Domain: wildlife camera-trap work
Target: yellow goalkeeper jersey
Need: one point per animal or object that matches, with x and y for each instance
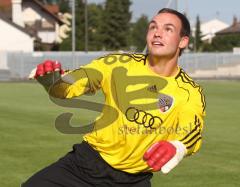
(140, 108)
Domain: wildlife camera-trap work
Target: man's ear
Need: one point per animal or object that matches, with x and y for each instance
(184, 42)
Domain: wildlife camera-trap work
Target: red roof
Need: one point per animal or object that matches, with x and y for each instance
(45, 10)
(5, 3)
(54, 9)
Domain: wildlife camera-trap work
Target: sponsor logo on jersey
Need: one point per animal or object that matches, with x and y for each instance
(142, 117)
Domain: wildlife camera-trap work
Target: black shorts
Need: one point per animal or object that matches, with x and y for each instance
(84, 167)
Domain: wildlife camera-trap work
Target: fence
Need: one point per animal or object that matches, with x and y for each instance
(208, 61)
(17, 65)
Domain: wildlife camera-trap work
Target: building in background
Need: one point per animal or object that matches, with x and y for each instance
(14, 37)
(36, 19)
(232, 29)
(210, 28)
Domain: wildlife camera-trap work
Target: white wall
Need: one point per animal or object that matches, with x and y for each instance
(47, 36)
(3, 60)
(208, 29)
(17, 12)
(32, 13)
(12, 39)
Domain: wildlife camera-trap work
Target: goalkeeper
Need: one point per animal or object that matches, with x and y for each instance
(152, 117)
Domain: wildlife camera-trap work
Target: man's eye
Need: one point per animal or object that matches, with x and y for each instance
(168, 29)
(152, 27)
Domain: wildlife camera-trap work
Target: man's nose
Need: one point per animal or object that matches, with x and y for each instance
(158, 33)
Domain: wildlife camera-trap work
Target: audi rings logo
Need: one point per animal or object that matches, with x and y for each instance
(142, 118)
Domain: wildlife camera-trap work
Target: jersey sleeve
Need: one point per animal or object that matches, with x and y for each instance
(191, 122)
(86, 79)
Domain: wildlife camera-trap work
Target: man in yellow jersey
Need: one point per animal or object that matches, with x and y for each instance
(152, 117)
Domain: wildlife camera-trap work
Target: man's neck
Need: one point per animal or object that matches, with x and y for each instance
(166, 67)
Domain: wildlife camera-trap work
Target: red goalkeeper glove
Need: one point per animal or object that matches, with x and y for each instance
(165, 155)
(47, 73)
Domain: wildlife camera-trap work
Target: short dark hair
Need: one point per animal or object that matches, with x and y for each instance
(186, 29)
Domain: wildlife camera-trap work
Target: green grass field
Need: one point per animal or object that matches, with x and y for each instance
(29, 141)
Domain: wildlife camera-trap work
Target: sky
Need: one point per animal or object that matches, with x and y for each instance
(206, 9)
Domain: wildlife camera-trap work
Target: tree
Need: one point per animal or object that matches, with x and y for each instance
(138, 33)
(108, 26)
(94, 28)
(197, 37)
(80, 25)
(64, 6)
(115, 25)
(222, 43)
(66, 45)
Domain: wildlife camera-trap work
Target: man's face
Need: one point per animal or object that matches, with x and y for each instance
(163, 36)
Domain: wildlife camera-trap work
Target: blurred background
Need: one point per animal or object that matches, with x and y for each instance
(75, 32)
